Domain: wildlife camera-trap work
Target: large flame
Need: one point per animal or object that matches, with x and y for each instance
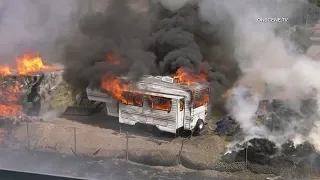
(184, 77)
(31, 63)
(116, 87)
(119, 89)
(26, 64)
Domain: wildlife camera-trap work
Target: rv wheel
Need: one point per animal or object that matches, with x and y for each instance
(199, 127)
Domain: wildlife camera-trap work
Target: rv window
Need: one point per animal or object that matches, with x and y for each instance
(201, 99)
(160, 103)
(181, 104)
(132, 99)
(138, 100)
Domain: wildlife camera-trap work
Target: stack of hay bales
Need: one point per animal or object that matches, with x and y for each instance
(55, 93)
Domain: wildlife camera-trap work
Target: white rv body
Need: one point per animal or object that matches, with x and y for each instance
(177, 117)
(112, 105)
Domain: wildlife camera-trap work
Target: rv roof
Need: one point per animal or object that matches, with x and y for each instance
(161, 85)
(169, 82)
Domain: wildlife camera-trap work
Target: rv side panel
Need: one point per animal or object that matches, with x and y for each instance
(165, 121)
(199, 113)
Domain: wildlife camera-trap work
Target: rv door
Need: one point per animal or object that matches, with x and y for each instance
(181, 112)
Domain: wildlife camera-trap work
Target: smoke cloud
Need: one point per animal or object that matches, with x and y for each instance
(121, 32)
(222, 38)
(32, 25)
(265, 56)
(166, 36)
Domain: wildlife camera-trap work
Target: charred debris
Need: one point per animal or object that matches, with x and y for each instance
(275, 115)
(302, 159)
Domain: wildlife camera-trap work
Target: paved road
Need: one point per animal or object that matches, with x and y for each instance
(85, 167)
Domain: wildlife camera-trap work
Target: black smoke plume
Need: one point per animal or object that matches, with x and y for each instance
(158, 41)
(120, 31)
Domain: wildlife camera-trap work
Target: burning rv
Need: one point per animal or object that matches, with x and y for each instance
(155, 100)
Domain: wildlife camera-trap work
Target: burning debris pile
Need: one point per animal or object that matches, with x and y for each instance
(277, 139)
(22, 88)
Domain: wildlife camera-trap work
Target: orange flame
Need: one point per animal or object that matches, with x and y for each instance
(26, 64)
(5, 70)
(183, 77)
(202, 99)
(116, 87)
(9, 101)
(160, 103)
(111, 57)
(31, 63)
(119, 89)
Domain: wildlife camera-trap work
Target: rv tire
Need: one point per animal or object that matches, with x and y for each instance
(199, 127)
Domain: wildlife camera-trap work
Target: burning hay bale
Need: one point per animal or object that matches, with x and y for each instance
(29, 89)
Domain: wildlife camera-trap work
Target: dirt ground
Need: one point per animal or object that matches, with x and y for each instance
(103, 136)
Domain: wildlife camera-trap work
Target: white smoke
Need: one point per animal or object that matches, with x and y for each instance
(32, 25)
(267, 58)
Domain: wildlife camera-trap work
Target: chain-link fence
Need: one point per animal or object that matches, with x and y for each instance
(80, 140)
(46, 137)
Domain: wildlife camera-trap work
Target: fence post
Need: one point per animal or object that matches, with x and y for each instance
(180, 152)
(127, 147)
(75, 140)
(28, 136)
(246, 155)
(311, 168)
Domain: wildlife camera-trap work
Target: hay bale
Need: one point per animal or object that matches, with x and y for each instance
(55, 93)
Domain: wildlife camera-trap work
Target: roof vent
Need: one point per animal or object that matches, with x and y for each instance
(167, 79)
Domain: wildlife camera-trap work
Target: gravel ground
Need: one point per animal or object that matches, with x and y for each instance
(85, 167)
(102, 139)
